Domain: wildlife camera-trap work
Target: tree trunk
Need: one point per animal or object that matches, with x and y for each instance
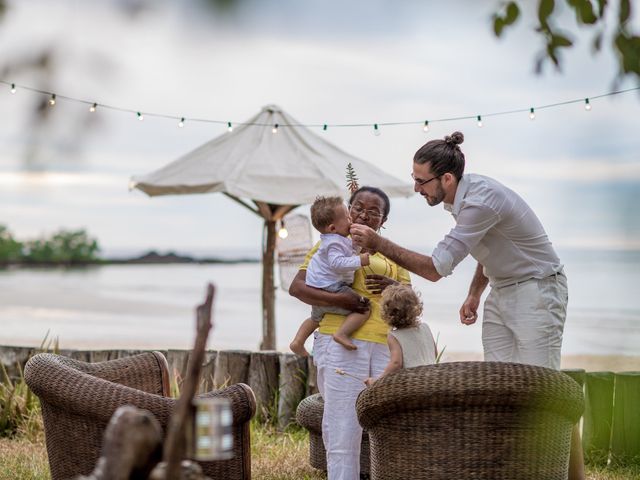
(268, 291)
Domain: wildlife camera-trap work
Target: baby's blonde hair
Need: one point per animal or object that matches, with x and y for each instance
(401, 306)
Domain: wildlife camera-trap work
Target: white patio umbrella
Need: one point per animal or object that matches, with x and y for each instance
(270, 165)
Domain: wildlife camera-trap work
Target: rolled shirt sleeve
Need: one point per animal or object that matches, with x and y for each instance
(341, 258)
(472, 224)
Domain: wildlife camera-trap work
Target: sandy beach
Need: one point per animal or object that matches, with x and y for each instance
(590, 363)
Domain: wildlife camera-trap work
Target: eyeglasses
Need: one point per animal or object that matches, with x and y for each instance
(357, 210)
(419, 181)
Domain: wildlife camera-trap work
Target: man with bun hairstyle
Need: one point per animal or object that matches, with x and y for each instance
(525, 311)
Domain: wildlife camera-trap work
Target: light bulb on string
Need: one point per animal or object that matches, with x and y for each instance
(93, 107)
(376, 130)
(13, 88)
(181, 122)
(140, 116)
(275, 128)
(229, 127)
(479, 118)
(532, 114)
(426, 126)
(324, 127)
(587, 105)
(283, 232)
(52, 100)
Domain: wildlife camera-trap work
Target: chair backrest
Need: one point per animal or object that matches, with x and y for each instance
(471, 420)
(78, 400)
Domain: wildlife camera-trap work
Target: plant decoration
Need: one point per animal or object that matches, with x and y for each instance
(352, 179)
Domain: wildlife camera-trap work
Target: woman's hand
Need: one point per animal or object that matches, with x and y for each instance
(352, 301)
(377, 283)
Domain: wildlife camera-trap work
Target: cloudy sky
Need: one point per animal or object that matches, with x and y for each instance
(330, 62)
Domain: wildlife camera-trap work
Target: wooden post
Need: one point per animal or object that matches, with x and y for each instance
(179, 441)
(268, 290)
(232, 366)
(293, 373)
(598, 413)
(264, 372)
(625, 431)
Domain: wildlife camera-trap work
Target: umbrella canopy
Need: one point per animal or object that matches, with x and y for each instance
(274, 162)
(290, 167)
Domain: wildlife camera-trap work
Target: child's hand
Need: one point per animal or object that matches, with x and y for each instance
(369, 381)
(364, 259)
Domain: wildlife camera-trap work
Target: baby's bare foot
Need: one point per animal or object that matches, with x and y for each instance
(344, 341)
(298, 349)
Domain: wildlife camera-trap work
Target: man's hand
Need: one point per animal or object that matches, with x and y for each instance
(352, 301)
(469, 310)
(364, 236)
(377, 283)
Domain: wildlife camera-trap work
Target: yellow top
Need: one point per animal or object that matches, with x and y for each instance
(374, 329)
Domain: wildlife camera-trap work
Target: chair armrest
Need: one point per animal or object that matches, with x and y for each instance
(243, 401)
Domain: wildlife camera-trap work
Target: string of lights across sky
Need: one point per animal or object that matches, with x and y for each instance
(425, 124)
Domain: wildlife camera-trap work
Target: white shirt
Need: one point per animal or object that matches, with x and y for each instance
(499, 230)
(335, 261)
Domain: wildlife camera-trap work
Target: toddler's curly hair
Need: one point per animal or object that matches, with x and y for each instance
(401, 306)
(323, 211)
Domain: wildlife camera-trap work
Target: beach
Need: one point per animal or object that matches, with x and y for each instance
(152, 307)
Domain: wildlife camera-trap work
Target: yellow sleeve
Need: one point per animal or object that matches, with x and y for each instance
(404, 276)
(308, 256)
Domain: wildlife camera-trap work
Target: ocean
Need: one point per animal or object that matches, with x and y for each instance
(152, 306)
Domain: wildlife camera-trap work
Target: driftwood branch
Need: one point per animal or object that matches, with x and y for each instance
(179, 441)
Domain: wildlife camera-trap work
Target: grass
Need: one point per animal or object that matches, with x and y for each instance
(274, 456)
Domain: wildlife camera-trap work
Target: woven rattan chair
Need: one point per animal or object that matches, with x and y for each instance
(309, 416)
(482, 420)
(78, 399)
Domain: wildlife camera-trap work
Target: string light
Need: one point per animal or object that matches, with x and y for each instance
(426, 126)
(376, 130)
(324, 126)
(229, 127)
(181, 122)
(532, 114)
(283, 232)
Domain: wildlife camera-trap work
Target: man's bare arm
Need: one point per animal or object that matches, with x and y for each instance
(413, 261)
(469, 309)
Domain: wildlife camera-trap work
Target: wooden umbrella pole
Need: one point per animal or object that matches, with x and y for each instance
(268, 293)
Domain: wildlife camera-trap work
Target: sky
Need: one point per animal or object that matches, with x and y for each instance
(332, 62)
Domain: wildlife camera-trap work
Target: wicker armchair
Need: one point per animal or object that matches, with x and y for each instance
(79, 398)
(483, 420)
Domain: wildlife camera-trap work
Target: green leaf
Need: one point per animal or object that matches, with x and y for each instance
(545, 8)
(586, 13)
(625, 11)
(513, 11)
(560, 41)
(498, 25)
(602, 5)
